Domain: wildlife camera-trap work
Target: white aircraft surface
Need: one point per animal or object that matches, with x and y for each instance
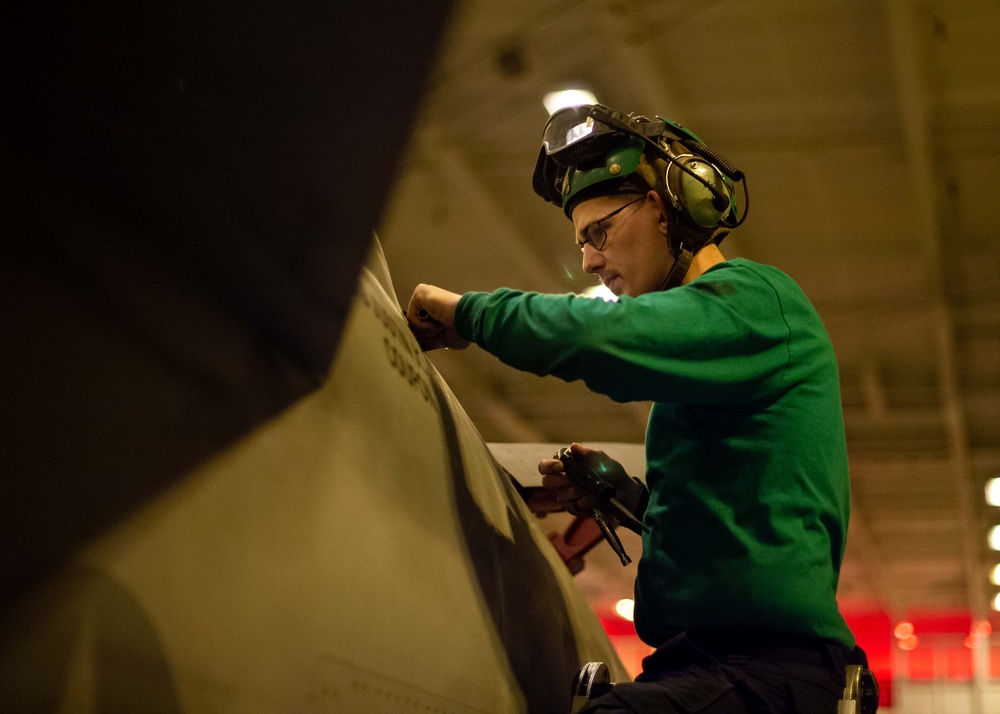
(361, 552)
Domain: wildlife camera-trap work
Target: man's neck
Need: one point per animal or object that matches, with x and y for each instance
(703, 260)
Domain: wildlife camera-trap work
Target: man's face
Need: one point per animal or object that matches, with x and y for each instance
(635, 258)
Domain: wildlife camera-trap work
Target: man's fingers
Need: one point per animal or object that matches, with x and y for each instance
(421, 328)
(550, 466)
(582, 506)
(576, 500)
(586, 452)
(429, 338)
(556, 481)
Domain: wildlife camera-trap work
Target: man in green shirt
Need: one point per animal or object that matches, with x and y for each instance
(748, 496)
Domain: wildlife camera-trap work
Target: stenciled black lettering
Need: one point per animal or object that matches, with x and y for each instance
(408, 371)
(391, 352)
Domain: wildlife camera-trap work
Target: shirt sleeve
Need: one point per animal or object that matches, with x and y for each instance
(721, 339)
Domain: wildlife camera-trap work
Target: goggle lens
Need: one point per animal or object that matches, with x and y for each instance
(566, 129)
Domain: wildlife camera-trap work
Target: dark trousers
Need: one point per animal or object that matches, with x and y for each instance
(735, 672)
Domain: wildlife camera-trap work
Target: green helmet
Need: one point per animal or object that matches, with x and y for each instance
(621, 161)
(592, 150)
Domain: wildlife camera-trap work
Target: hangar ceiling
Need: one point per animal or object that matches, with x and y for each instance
(869, 132)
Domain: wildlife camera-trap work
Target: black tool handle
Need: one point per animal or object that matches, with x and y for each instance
(582, 475)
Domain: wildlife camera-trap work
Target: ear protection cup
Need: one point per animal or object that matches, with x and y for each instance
(693, 199)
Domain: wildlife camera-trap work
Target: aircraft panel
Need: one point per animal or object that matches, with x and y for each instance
(362, 551)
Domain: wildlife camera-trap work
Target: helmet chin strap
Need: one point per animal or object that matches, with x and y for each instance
(675, 276)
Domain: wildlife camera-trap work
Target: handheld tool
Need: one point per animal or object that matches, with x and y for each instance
(587, 478)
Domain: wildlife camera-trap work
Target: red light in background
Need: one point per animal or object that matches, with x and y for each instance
(947, 642)
(943, 650)
(903, 630)
(631, 650)
(614, 626)
(873, 630)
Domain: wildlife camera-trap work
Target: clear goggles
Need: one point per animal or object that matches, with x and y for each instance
(572, 135)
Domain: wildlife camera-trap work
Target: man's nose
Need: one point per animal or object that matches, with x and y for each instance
(592, 259)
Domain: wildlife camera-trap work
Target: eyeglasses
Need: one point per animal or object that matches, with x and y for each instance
(595, 233)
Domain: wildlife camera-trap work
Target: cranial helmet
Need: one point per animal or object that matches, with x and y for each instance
(592, 150)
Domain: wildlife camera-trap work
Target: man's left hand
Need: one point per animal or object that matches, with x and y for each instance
(431, 316)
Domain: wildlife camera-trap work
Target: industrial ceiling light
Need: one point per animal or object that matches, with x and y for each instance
(554, 101)
(994, 537)
(993, 492)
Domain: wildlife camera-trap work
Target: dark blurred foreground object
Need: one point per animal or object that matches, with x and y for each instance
(188, 192)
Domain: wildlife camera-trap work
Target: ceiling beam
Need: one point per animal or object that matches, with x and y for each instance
(914, 117)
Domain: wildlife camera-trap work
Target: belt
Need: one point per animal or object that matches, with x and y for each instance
(736, 646)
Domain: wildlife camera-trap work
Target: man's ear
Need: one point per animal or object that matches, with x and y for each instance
(664, 222)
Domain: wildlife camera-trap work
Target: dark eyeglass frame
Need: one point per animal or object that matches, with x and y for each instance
(596, 234)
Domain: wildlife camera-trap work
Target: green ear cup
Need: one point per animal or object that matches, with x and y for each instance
(698, 201)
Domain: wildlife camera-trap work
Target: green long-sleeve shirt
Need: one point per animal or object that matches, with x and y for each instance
(745, 449)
